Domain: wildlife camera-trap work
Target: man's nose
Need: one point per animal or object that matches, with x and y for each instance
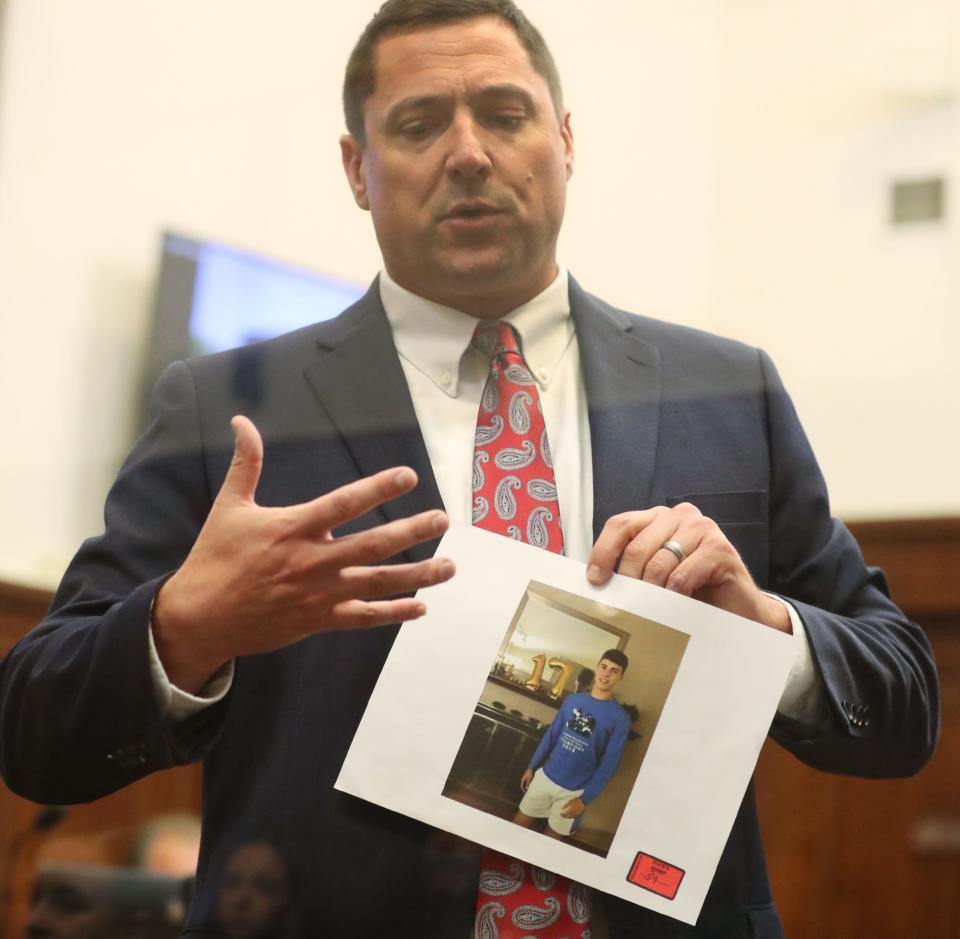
(468, 158)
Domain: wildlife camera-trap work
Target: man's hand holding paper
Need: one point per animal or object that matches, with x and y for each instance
(701, 564)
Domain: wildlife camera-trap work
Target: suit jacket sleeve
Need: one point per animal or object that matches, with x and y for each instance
(877, 667)
(78, 713)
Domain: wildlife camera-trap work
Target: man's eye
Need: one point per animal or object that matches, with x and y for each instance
(509, 120)
(415, 130)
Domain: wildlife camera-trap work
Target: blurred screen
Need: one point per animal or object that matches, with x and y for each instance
(211, 297)
(241, 298)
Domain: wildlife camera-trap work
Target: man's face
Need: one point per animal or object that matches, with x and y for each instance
(465, 166)
(609, 674)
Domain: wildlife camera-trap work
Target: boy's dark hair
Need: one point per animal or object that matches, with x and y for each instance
(404, 15)
(617, 657)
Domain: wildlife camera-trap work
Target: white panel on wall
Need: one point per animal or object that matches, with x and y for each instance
(859, 315)
(733, 166)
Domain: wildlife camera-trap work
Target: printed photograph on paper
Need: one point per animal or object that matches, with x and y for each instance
(571, 703)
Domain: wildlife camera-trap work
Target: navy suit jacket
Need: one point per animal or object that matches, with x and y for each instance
(675, 415)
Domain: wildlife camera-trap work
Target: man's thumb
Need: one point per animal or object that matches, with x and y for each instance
(244, 473)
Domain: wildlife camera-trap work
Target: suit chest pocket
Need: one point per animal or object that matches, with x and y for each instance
(742, 517)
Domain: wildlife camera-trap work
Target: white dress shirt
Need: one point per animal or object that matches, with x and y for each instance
(446, 376)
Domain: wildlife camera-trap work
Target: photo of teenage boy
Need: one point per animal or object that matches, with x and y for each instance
(578, 754)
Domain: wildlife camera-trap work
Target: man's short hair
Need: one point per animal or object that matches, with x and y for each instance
(407, 15)
(617, 657)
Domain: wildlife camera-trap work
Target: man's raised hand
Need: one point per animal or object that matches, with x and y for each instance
(260, 578)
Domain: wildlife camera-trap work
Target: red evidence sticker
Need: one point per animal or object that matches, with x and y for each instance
(655, 875)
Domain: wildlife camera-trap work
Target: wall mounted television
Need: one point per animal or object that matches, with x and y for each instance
(213, 296)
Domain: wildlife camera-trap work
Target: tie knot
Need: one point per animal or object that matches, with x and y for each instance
(493, 339)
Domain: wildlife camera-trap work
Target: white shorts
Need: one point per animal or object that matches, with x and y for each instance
(545, 799)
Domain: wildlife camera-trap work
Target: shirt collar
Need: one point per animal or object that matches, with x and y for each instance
(433, 338)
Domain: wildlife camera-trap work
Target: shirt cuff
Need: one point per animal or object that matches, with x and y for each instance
(803, 699)
(177, 705)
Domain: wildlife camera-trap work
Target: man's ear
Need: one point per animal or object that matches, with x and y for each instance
(566, 132)
(351, 152)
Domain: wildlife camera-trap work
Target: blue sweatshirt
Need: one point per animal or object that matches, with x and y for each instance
(583, 746)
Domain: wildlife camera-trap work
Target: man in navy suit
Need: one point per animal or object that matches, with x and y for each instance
(236, 608)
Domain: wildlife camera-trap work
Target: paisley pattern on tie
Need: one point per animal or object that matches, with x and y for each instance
(545, 449)
(504, 501)
(538, 533)
(489, 433)
(491, 397)
(578, 903)
(543, 490)
(499, 884)
(521, 901)
(519, 415)
(519, 375)
(481, 507)
(515, 494)
(479, 477)
(531, 916)
(485, 926)
(516, 457)
(543, 880)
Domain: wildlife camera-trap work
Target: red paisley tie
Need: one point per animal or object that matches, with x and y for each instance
(514, 490)
(515, 494)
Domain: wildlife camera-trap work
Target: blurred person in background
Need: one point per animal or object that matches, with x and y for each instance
(74, 902)
(255, 897)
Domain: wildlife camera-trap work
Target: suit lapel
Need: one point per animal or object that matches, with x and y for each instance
(359, 382)
(621, 374)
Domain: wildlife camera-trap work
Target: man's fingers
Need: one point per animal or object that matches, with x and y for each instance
(637, 540)
(618, 532)
(368, 583)
(666, 552)
(361, 614)
(714, 562)
(352, 599)
(384, 541)
(342, 505)
(242, 477)
(645, 558)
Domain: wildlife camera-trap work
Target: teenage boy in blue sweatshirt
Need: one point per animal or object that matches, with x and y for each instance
(578, 754)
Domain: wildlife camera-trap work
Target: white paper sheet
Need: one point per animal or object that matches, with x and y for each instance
(706, 684)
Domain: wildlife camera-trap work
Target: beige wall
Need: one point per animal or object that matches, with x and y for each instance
(732, 164)
(823, 105)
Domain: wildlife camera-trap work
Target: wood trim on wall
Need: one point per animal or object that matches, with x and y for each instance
(921, 558)
(21, 608)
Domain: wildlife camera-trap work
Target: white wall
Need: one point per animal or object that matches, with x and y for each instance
(821, 106)
(731, 164)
